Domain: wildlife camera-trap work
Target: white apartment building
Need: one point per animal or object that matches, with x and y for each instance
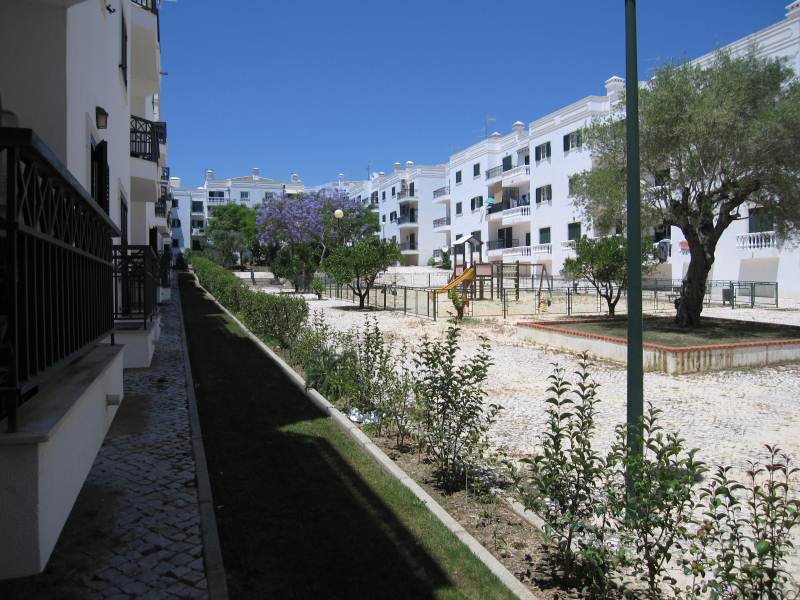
(513, 192)
(191, 208)
(83, 204)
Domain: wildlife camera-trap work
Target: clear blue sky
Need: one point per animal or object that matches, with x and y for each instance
(322, 87)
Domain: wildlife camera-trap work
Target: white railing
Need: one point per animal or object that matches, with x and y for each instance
(517, 250)
(542, 249)
(568, 245)
(520, 170)
(517, 211)
(197, 231)
(753, 241)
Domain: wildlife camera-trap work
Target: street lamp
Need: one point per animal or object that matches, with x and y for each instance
(338, 214)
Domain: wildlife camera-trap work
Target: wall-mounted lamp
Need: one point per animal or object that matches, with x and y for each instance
(101, 117)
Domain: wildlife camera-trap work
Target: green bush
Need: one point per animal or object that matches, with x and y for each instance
(270, 316)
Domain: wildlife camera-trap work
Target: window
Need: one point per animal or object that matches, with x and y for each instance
(383, 218)
(527, 159)
(574, 231)
(542, 152)
(123, 59)
(219, 194)
(476, 235)
(476, 202)
(476, 170)
(383, 196)
(544, 235)
(528, 238)
(458, 177)
(458, 208)
(504, 237)
(757, 221)
(393, 216)
(411, 189)
(244, 195)
(544, 194)
(100, 179)
(506, 163)
(662, 177)
(573, 141)
(197, 206)
(393, 194)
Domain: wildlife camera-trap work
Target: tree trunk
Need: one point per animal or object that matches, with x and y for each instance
(693, 289)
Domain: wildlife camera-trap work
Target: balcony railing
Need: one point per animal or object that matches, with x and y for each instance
(151, 5)
(136, 277)
(501, 244)
(756, 241)
(55, 269)
(542, 248)
(499, 207)
(406, 194)
(517, 251)
(568, 245)
(144, 139)
(442, 191)
(405, 219)
(408, 246)
(523, 210)
(443, 222)
(519, 170)
(161, 207)
(494, 172)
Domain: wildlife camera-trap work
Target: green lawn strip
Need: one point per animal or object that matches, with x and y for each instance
(302, 509)
(710, 331)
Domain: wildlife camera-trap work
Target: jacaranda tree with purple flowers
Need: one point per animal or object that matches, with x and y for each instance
(302, 230)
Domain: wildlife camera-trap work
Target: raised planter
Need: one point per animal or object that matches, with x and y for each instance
(658, 357)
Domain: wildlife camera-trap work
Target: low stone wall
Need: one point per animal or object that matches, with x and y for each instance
(657, 357)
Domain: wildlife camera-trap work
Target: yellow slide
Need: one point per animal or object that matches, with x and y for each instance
(467, 275)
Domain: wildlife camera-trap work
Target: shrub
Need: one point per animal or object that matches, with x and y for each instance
(317, 287)
(451, 396)
(180, 262)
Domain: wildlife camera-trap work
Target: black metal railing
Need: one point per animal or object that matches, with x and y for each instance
(494, 172)
(408, 246)
(406, 193)
(161, 207)
(160, 130)
(499, 207)
(500, 244)
(135, 285)
(442, 191)
(151, 5)
(144, 139)
(441, 222)
(407, 219)
(55, 269)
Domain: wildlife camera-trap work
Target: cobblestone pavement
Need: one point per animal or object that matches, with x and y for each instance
(135, 529)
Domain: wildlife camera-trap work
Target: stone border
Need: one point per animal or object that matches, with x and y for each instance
(495, 566)
(212, 551)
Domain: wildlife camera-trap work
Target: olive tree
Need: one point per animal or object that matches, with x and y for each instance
(714, 139)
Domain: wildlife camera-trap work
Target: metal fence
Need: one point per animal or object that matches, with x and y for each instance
(136, 279)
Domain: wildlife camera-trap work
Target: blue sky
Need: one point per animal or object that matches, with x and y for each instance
(326, 87)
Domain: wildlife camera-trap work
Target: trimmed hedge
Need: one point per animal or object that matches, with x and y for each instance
(270, 316)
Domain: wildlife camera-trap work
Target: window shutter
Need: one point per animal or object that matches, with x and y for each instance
(547, 150)
(538, 195)
(103, 183)
(566, 143)
(538, 153)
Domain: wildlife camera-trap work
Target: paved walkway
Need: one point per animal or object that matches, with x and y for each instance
(135, 529)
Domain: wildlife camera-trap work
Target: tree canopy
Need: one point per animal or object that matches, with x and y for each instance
(358, 264)
(232, 229)
(715, 141)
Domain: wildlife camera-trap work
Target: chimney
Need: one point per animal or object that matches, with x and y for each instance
(793, 10)
(175, 182)
(209, 174)
(397, 167)
(614, 87)
(256, 172)
(409, 165)
(295, 177)
(381, 173)
(518, 126)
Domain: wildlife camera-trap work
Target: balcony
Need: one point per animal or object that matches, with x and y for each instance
(161, 207)
(443, 222)
(145, 153)
(56, 249)
(494, 172)
(145, 139)
(408, 247)
(407, 196)
(517, 176)
(442, 194)
(198, 231)
(542, 248)
(145, 59)
(757, 241)
(407, 221)
(519, 213)
(497, 247)
(517, 251)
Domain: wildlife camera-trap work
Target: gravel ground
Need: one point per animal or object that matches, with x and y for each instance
(728, 415)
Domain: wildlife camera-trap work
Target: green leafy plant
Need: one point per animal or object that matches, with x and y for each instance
(317, 287)
(451, 394)
(399, 408)
(359, 264)
(459, 301)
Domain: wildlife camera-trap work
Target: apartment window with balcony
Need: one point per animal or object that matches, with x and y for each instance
(123, 59)
(476, 170)
(757, 221)
(574, 231)
(476, 202)
(544, 235)
(244, 195)
(573, 141)
(544, 194)
(393, 193)
(458, 177)
(458, 209)
(506, 163)
(542, 152)
(197, 206)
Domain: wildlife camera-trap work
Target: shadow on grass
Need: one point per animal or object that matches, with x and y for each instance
(295, 517)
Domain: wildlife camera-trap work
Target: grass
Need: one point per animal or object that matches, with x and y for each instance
(711, 331)
(302, 510)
